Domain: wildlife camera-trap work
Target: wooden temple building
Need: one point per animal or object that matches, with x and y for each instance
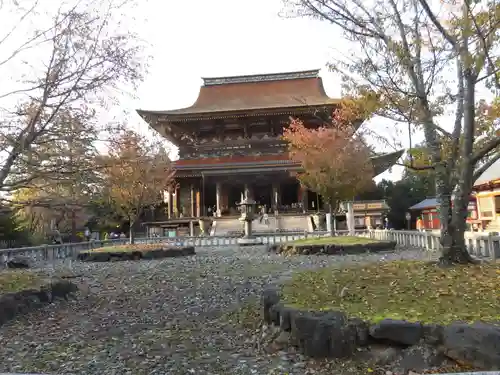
(229, 141)
(487, 194)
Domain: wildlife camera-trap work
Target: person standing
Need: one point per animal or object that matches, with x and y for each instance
(57, 238)
(87, 234)
(420, 224)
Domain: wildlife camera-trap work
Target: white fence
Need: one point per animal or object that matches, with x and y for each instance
(479, 244)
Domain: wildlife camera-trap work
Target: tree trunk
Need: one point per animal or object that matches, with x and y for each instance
(454, 249)
(73, 226)
(131, 233)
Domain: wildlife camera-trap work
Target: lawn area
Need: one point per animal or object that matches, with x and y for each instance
(415, 291)
(340, 240)
(17, 280)
(125, 248)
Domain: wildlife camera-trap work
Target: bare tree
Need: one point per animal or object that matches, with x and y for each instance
(421, 60)
(86, 56)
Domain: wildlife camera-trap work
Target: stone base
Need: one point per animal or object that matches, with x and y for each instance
(110, 256)
(331, 249)
(21, 302)
(249, 242)
(404, 346)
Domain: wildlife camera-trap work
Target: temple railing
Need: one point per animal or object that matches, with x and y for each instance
(480, 244)
(71, 250)
(484, 245)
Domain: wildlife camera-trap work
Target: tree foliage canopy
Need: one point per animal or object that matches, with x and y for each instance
(421, 60)
(335, 161)
(136, 173)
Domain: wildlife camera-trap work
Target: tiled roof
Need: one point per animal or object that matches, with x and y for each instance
(269, 91)
(489, 175)
(426, 203)
(383, 162)
(380, 162)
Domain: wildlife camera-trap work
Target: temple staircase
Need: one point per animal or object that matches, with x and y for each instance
(226, 226)
(230, 226)
(293, 223)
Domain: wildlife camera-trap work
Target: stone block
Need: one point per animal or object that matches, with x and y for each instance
(270, 297)
(321, 334)
(477, 345)
(13, 304)
(20, 262)
(160, 252)
(332, 249)
(397, 331)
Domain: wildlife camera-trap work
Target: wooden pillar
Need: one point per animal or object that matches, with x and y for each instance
(198, 203)
(170, 207)
(275, 196)
(176, 201)
(224, 198)
(192, 200)
(302, 197)
(218, 208)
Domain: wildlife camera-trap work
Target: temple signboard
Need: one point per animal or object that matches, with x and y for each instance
(368, 206)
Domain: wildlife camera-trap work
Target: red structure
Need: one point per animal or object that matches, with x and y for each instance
(428, 211)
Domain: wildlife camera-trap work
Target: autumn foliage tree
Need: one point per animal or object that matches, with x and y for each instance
(335, 162)
(137, 172)
(423, 60)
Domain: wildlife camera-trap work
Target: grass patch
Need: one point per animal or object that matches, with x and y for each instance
(17, 280)
(415, 291)
(125, 248)
(340, 240)
(248, 316)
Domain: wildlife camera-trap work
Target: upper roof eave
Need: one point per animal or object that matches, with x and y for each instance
(224, 80)
(175, 115)
(227, 96)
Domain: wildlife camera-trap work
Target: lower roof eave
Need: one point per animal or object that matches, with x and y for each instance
(241, 171)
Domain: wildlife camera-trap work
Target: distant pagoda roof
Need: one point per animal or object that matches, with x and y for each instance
(221, 95)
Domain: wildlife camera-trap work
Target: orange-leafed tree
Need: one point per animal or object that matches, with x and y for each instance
(137, 173)
(335, 162)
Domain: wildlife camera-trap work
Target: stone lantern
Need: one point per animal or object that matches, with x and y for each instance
(247, 209)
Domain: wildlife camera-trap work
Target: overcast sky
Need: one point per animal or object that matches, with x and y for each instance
(199, 38)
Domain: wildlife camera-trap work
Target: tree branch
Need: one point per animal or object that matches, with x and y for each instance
(485, 150)
(438, 24)
(479, 171)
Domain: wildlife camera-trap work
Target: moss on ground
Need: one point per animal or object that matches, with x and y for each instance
(248, 315)
(339, 240)
(128, 248)
(16, 280)
(415, 291)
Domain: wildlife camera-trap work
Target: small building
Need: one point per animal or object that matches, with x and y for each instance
(487, 192)
(428, 210)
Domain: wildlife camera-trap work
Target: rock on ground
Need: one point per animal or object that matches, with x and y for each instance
(166, 316)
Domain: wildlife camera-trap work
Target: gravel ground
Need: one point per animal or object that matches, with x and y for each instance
(172, 316)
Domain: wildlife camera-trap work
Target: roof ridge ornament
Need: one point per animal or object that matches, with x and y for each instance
(305, 74)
